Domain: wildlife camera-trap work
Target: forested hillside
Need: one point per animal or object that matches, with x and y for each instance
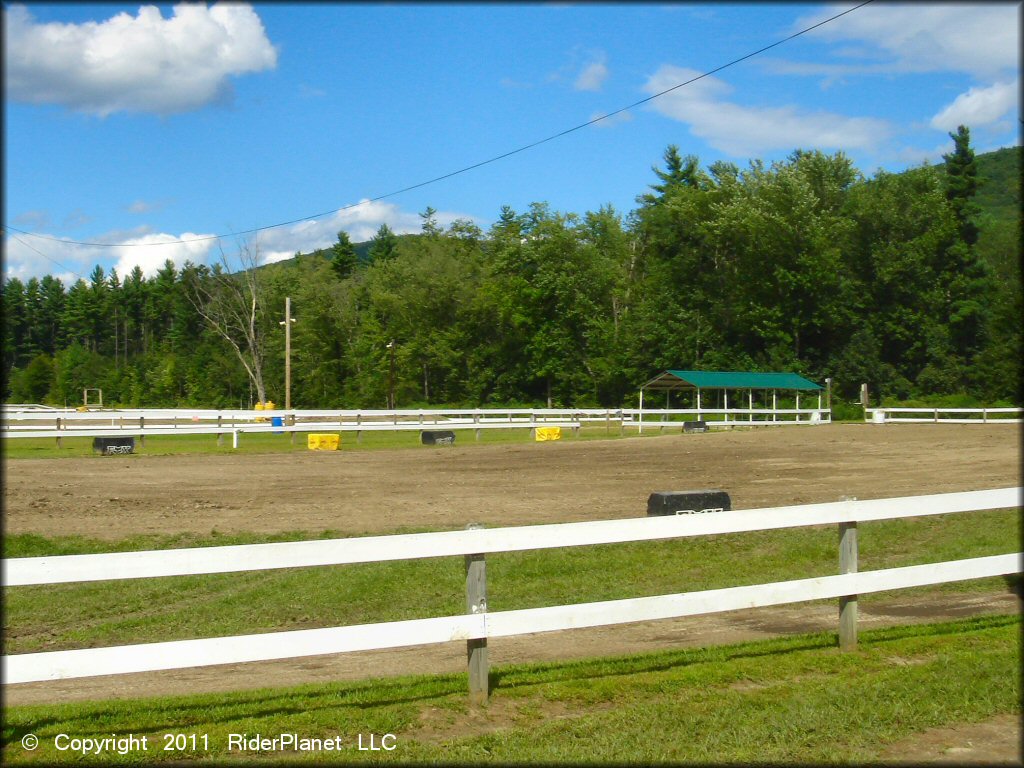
(908, 281)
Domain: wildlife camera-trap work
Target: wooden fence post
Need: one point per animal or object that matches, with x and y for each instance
(142, 435)
(476, 602)
(848, 603)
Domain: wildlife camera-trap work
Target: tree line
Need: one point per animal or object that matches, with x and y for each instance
(802, 265)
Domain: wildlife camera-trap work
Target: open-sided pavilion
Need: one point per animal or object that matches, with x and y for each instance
(715, 386)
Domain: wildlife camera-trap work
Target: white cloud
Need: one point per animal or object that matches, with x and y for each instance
(360, 221)
(744, 131)
(612, 120)
(145, 206)
(27, 256)
(151, 251)
(76, 218)
(979, 106)
(142, 63)
(592, 77)
(978, 38)
(508, 82)
(585, 68)
(33, 219)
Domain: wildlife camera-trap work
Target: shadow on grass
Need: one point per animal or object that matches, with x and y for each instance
(659, 661)
(169, 713)
(97, 719)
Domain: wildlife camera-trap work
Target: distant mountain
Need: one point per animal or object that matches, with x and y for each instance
(999, 182)
(998, 196)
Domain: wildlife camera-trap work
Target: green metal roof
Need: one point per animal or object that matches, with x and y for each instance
(729, 380)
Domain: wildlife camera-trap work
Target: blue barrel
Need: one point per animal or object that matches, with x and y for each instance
(277, 421)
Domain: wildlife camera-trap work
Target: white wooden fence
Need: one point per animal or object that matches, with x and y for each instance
(943, 415)
(32, 422)
(479, 623)
(171, 421)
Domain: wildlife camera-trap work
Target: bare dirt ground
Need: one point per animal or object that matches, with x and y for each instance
(993, 742)
(356, 492)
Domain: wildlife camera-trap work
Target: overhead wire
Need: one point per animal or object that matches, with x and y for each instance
(54, 261)
(467, 168)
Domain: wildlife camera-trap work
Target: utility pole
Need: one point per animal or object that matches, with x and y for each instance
(287, 323)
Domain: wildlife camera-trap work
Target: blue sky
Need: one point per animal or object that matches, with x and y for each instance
(137, 126)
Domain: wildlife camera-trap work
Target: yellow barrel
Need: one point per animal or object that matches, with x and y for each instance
(548, 433)
(322, 442)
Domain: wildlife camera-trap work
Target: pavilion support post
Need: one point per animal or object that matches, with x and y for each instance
(725, 406)
(750, 404)
(798, 406)
(698, 403)
(640, 420)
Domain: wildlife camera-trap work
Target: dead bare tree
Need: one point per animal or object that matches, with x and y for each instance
(232, 303)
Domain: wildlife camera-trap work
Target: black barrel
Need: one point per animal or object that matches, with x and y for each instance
(437, 437)
(113, 446)
(687, 502)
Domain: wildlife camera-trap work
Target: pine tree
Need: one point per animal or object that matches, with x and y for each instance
(679, 172)
(965, 278)
(343, 256)
(384, 245)
(962, 183)
(430, 225)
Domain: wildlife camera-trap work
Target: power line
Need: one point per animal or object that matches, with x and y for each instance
(468, 168)
(31, 248)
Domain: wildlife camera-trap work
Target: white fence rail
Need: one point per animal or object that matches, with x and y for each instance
(479, 623)
(34, 423)
(943, 415)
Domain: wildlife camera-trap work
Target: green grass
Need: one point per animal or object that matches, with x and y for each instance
(54, 617)
(791, 700)
(256, 443)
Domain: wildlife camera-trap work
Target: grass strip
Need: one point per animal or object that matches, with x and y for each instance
(792, 700)
(66, 616)
(263, 443)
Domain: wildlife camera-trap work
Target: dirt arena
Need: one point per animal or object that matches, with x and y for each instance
(354, 492)
(357, 492)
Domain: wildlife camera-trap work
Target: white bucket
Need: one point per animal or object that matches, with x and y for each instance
(878, 417)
